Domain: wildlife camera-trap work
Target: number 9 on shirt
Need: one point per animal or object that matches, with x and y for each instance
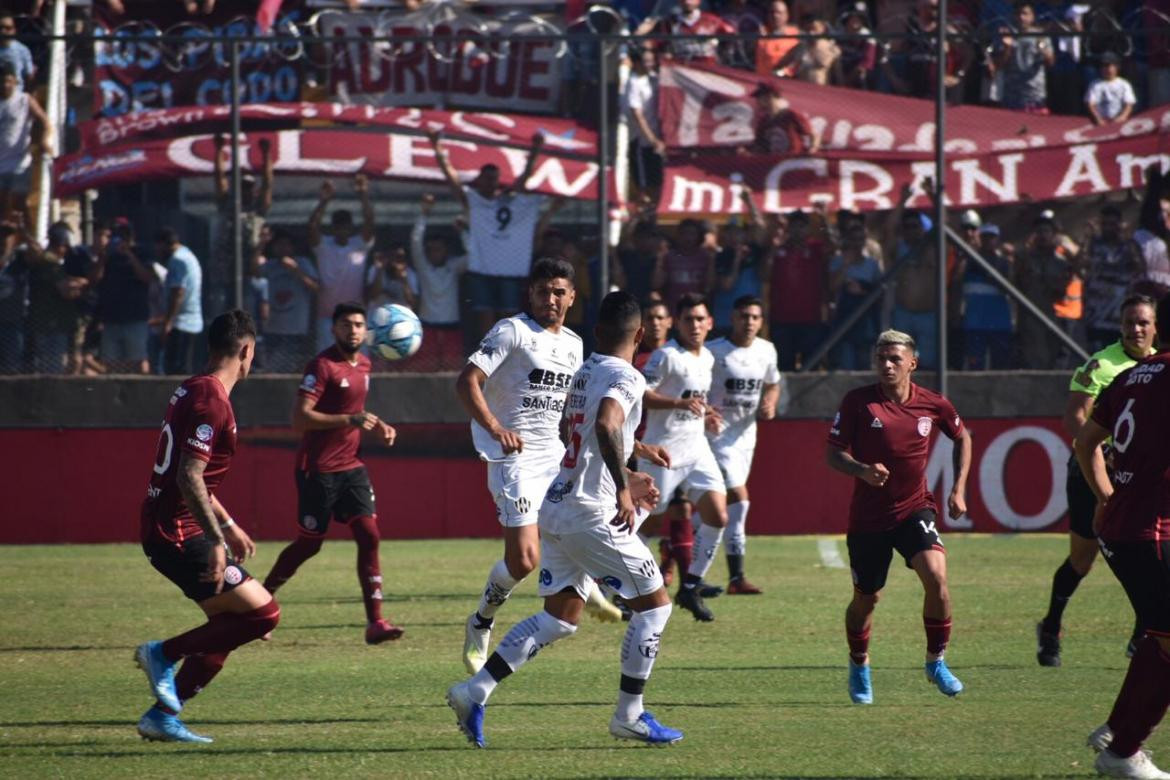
(395, 331)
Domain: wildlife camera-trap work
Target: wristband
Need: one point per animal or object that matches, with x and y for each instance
(227, 524)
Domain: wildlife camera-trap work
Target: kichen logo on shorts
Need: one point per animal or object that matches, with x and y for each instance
(232, 575)
(309, 522)
(924, 426)
(545, 577)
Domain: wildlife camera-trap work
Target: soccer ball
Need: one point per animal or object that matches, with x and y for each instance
(395, 331)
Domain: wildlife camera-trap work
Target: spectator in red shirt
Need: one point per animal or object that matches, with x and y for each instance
(687, 268)
(795, 289)
(690, 19)
(780, 129)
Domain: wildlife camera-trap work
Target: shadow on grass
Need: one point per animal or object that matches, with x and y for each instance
(470, 596)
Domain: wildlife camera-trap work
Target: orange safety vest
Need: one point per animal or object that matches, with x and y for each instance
(1071, 306)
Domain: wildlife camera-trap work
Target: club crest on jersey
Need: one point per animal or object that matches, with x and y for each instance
(924, 426)
(203, 432)
(878, 423)
(309, 523)
(344, 382)
(232, 575)
(309, 382)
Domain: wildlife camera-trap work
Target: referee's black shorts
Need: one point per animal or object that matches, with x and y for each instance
(1082, 502)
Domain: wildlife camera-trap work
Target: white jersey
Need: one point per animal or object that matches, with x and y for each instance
(529, 370)
(501, 232)
(678, 373)
(584, 495)
(736, 384)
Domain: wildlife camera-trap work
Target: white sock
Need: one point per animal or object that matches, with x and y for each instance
(706, 545)
(499, 586)
(639, 649)
(735, 541)
(520, 645)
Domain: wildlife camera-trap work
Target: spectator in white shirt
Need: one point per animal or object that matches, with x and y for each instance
(341, 255)
(1110, 99)
(641, 104)
(438, 306)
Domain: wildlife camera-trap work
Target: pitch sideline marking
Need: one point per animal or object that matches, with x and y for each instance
(830, 555)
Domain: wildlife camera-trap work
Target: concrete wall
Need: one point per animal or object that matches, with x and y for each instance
(138, 402)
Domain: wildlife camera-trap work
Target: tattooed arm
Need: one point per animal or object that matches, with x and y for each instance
(608, 428)
(198, 500)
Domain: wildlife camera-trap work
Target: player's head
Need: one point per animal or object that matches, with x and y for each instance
(619, 323)
(349, 327)
(231, 338)
(747, 317)
(341, 225)
(895, 356)
(550, 291)
(1139, 324)
(656, 321)
(487, 183)
(692, 317)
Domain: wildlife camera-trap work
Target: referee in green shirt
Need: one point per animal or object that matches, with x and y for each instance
(1138, 332)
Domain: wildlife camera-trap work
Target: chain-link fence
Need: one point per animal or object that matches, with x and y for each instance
(782, 153)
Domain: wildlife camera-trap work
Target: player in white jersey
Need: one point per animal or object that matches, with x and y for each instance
(745, 385)
(501, 230)
(514, 388)
(678, 377)
(588, 523)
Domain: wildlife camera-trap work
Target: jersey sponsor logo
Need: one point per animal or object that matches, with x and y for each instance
(1144, 374)
(924, 426)
(201, 446)
(623, 390)
(545, 577)
(344, 382)
(309, 382)
(541, 379)
(179, 393)
(232, 575)
(733, 385)
(309, 523)
(876, 423)
(153, 492)
(542, 403)
(203, 432)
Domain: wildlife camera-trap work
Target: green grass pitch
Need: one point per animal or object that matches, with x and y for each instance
(760, 692)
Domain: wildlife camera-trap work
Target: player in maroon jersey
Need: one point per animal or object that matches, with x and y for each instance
(881, 438)
(187, 534)
(1133, 530)
(332, 482)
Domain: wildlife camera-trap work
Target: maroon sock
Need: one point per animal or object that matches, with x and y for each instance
(938, 633)
(196, 672)
(1143, 698)
(302, 549)
(224, 632)
(666, 554)
(682, 542)
(365, 533)
(858, 645)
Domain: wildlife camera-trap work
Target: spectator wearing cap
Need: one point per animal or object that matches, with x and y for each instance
(796, 293)
(341, 255)
(1023, 59)
(859, 50)
(1110, 99)
(986, 310)
(19, 112)
(123, 308)
(255, 203)
(689, 267)
(1111, 262)
(1043, 274)
(771, 51)
(780, 129)
(439, 270)
(183, 322)
(14, 54)
(910, 244)
(647, 150)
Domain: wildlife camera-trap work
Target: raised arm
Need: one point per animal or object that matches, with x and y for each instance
(530, 166)
(361, 185)
(418, 231)
(318, 214)
(447, 169)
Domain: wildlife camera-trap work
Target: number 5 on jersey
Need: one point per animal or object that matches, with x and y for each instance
(574, 448)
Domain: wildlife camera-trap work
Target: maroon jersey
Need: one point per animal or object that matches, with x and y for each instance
(798, 283)
(199, 422)
(1134, 410)
(878, 430)
(785, 132)
(339, 387)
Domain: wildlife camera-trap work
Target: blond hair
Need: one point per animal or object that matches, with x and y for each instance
(895, 338)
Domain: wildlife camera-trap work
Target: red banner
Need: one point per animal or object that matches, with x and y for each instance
(395, 155)
(875, 143)
(135, 72)
(1016, 483)
(561, 136)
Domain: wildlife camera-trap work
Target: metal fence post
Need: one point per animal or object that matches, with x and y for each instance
(940, 200)
(237, 199)
(602, 157)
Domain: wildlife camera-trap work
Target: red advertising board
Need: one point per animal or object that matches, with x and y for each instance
(1017, 483)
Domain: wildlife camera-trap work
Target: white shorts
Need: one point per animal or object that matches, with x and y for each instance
(518, 486)
(702, 476)
(735, 462)
(620, 559)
